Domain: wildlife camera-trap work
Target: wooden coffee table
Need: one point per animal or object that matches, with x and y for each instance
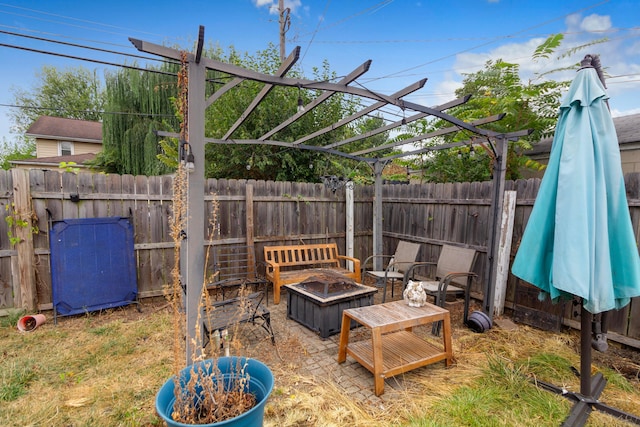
(394, 348)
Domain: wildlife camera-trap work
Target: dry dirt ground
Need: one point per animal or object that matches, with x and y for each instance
(620, 358)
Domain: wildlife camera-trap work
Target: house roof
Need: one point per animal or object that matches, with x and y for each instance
(78, 159)
(627, 129)
(68, 129)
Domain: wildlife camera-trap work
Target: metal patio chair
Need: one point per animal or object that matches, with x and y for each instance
(454, 266)
(399, 263)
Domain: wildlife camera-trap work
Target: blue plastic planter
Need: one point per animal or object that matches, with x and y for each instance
(260, 384)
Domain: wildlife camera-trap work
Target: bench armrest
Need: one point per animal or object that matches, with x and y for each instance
(355, 261)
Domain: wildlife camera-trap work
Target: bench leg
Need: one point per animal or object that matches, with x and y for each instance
(276, 293)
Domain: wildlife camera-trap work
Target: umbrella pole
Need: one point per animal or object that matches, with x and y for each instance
(590, 387)
(585, 352)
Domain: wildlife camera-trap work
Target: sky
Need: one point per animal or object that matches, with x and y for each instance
(407, 40)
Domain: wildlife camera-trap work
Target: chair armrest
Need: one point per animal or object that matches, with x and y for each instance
(366, 261)
(444, 282)
(409, 272)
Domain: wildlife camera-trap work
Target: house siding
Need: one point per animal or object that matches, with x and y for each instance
(46, 148)
(49, 148)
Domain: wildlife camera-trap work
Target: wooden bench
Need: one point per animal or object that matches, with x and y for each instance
(295, 263)
(235, 266)
(225, 314)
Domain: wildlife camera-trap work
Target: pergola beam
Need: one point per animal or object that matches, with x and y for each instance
(224, 89)
(308, 84)
(284, 69)
(455, 102)
(474, 141)
(273, 143)
(319, 100)
(439, 132)
(407, 90)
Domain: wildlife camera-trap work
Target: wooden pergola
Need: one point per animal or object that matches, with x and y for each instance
(192, 256)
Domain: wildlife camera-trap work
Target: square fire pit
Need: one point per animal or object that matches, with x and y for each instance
(317, 302)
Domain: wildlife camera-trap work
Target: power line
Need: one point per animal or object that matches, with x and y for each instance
(97, 61)
(87, 47)
(375, 7)
(316, 30)
(493, 40)
(477, 38)
(121, 113)
(73, 19)
(45, 33)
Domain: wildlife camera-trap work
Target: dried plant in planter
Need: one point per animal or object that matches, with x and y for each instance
(203, 392)
(230, 389)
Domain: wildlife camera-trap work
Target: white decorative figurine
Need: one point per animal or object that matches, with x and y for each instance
(414, 295)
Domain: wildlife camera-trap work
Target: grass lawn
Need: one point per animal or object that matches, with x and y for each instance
(103, 369)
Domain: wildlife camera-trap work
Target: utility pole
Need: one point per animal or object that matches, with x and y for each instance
(285, 23)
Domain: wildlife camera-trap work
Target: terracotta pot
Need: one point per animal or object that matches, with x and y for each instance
(30, 322)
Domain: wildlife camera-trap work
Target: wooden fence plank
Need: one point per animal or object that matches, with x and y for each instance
(284, 213)
(634, 319)
(143, 232)
(7, 282)
(85, 186)
(69, 188)
(22, 211)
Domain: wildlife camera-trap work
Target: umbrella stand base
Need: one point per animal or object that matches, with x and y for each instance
(585, 404)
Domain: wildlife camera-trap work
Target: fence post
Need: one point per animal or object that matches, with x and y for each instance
(23, 212)
(349, 221)
(249, 210)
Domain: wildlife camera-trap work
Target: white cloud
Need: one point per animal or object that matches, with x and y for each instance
(619, 113)
(596, 23)
(293, 5)
(620, 58)
(614, 53)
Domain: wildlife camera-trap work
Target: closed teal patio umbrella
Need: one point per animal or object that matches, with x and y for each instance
(579, 240)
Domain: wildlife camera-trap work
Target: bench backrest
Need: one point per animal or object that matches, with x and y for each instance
(455, 260)
(295, 255)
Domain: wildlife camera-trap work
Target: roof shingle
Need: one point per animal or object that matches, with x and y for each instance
(68, 129)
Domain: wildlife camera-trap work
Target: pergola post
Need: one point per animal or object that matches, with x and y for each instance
(192, 259)
(350, 226)
(377, 215)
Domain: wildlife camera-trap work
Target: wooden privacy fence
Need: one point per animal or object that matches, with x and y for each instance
(257, 213)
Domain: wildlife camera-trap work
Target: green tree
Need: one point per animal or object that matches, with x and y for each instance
(74, 93)
(498, 89)
(138, 103)
(273, 162)
(15, 151)
(495, 90)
